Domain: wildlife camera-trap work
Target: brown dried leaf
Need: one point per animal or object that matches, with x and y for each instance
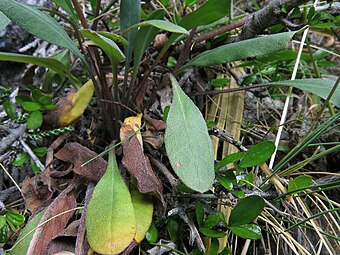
(38, 190)
(66, 239)
(155, 139)
(139, 165)
(77, 154)
(44, 234)
(154, 124)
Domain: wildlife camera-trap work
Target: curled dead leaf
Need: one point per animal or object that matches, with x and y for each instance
(70, 108)
(55, 218)
(155, 139)
(77, 155)
(37, 190)
(139, 166)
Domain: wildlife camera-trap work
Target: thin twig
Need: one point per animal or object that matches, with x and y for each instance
(15, 183)
(221, 30)
(12, 137)
(80, 14)
(226, 137)
(172, 180)
(32, 154)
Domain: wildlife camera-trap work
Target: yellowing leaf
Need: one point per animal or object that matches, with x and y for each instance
(133, 122)
(76, 104)
(110, 217)
(143, 212)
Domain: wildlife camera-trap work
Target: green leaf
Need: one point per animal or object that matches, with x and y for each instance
(38, 24)
(35, 120)
(199, 213)
(10, 110)
(152, 234)
(214, 246)
(144, 37)
(143, 208)
(173, 229)
(26, 235)
(247, 231)
(240, 50)
(227, 180)
(114, 37)
(66, 5)
(187, 142)
(31, 106)
(45, 100)
(4, 21)
(110, 217)
(257, 154)
(34, 167)
(160, 24)
(36, 94)
(209, 12)
(2, 221)
(129, 16)
(211, 232)
(15, 218)
(246, 210)
(107, 45)
(21, 159)
(40, 152)
(4, 234)
(319, 87)
(231, 158)
(211, 221)
(50, 63)
(300, 182)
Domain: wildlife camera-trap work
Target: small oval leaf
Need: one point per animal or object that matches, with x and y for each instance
(110, 217)
(300, 182)
(246, 210)
(35, 120)
(31, 106)
(247, 231)
(258, 154)
(187, 142)
(211, 232)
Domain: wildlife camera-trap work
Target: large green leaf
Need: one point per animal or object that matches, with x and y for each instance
(211, 11)
(161, 24)
(50, 63)
(240, 50)
(38, 24)
(187, 142)
(107, 45)
(320, 87)
(110, 217)
(26, 235)
(246, 210)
